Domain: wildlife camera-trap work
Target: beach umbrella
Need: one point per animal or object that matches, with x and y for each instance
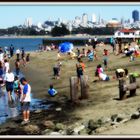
(65, 47)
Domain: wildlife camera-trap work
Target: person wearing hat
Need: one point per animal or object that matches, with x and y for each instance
(120, 72)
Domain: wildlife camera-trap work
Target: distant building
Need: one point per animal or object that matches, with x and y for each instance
(135, 15)
(28, 22)
(39, 25)
(113, 23)
(124, 33)
(93, 18)
(84, 20)
(77, 20)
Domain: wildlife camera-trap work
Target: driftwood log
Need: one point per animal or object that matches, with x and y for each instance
(132, 86)
(74, 88)
(133, 80)
(84, 87)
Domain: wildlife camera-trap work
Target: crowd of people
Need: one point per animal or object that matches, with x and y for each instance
(22, 89)
(90, 52)
(17, 88)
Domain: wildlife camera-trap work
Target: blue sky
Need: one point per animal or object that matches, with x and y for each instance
(11, 15)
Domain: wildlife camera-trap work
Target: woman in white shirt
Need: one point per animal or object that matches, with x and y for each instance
(9, 80)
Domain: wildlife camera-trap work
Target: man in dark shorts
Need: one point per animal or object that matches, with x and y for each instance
(80, 66)
(9, 80)
(25, 101)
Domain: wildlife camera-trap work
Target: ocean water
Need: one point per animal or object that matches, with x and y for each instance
(32, 44)
(29, 44)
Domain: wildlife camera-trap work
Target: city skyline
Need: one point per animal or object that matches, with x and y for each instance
(12, 15)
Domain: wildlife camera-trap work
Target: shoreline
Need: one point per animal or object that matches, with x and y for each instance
(45, 36)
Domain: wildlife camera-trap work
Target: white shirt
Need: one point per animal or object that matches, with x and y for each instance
(9, 77)
(95, 39)
(6, 65)
(28, 93)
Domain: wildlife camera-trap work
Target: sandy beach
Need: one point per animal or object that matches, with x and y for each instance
(102, 101)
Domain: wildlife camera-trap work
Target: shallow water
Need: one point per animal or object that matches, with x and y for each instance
(13, 109)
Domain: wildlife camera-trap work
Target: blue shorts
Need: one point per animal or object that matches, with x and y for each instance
(25, 106)
(9, 86)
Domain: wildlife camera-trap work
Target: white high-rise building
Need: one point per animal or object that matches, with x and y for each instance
(93, 18)
(84, 20)
(28, 22)
(77, 21)
(69, 26)
(39, 25)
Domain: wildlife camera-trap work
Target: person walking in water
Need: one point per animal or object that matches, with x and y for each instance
(25, 100)
(17, 89)
(9, 80)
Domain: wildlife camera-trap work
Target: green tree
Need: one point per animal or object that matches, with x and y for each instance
(60, 31)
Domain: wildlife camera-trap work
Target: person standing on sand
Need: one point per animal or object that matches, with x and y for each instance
(22, 53)
(11, 50)
(56, 70)
(105, 58)
(112, 43)
(80, 68)
(25, 100)
(28, 58)
(18, 53)
(17, 66)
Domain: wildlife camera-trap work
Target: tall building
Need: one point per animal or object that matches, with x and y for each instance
(28, 22)
(84, 20)
(77, 20)
(93, 18)
(135, 15)
(122, 20)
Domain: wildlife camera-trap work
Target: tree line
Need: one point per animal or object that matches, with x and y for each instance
(57, 31)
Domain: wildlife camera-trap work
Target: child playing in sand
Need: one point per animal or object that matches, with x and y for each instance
(52, 92)
(56, 70)
(100, 73)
